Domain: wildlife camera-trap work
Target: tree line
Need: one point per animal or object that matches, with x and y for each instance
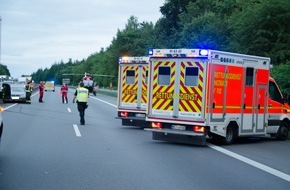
(255, 27)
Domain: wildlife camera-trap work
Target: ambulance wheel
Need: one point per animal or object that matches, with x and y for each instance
(228, 139)
(283, 131)
(230, 136)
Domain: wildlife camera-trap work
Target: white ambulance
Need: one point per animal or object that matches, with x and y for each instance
(132, 90)
(195, 93)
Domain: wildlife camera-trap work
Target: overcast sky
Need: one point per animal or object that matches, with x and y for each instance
(38, 33)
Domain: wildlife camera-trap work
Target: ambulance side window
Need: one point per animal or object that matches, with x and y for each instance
(191, 76)
(130, 76)
(274, 92)
(146, 77)
(249, 76)
(163, 75)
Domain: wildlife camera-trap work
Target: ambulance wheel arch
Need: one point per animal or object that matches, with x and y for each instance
(231, 134)
(283, 130)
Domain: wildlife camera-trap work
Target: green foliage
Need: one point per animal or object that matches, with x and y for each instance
(262, 28)
(281, 75)
(4, 70)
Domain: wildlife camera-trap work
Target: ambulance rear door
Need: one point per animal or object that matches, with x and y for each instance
(176, 88)
(133, 86)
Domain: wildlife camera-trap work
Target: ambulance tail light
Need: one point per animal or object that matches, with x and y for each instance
(124, 114)
(198, 129)
(156, 125)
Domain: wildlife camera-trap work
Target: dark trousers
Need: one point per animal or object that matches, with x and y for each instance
(28, 95)
(40, 96)
(64, 97)
(82, 107)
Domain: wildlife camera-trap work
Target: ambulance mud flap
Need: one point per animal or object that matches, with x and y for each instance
(178, 137)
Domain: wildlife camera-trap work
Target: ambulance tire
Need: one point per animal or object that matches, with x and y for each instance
(229, 139)
(283, 131)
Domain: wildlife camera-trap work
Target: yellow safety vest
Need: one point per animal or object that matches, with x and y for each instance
(82, 94)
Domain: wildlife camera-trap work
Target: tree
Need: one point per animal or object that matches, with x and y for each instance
(4, 70)
(261, 28)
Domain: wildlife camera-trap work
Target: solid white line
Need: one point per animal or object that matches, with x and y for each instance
(104, 101)
(69, 110)
(252, 162)
(237, 156)
(10, 106)
(77, 131)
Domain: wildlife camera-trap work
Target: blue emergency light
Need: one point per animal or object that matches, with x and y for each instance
(203, 52)
(150, 52)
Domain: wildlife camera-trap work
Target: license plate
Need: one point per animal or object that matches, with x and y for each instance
(178, 127)
(15, 98)
(140, 115)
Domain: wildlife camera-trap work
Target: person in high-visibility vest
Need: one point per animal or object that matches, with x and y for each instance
(81, 96)
(28, 91)
(64, 91)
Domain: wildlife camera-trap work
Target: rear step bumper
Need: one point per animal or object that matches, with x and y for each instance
(186, 137)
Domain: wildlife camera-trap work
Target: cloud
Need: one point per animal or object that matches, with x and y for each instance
(36, 34)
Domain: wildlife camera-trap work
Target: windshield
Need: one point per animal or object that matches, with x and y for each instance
(17, 89)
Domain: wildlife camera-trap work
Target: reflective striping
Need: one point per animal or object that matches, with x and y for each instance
(163, 95)
(129, 91)
(190, 97)
(144, 85)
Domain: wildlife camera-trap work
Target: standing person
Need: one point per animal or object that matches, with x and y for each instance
(81, 96)
(64, 91)
(28, 91)
(41, 91)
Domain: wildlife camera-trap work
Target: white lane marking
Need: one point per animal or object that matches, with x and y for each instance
(251, 162)
(104, 101)
(69, 110)
(16, 103)
(238, 157)
(10, 106)
(77, 131)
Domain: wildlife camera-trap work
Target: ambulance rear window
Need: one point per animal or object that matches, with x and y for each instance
(130, 76)
(191, 76)
(163, 75)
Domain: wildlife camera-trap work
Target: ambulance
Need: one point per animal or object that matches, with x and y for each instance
(132, 90)
(195, 93)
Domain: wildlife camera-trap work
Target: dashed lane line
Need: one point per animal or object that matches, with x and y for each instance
(77, 131)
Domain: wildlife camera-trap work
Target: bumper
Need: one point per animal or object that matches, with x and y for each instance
(134, 121)
(186, 137)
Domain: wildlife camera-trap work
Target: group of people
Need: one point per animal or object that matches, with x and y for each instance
(63, 92)
(80, 96)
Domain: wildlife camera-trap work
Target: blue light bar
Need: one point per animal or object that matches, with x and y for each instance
(203, 52)
(150, 52)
